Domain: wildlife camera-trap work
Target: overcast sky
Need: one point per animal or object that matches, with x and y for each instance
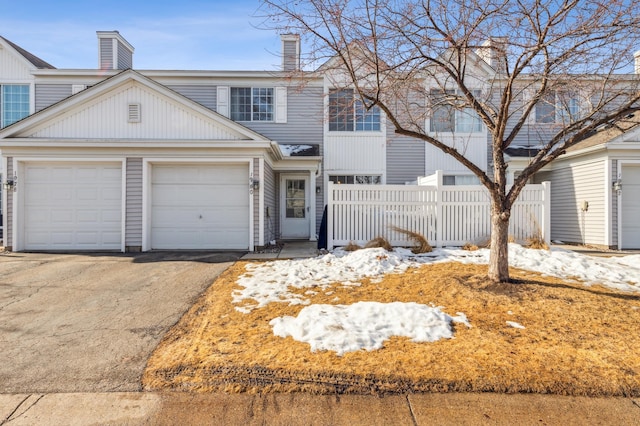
(166, 34)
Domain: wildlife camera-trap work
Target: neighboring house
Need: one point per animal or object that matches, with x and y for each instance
(121, 159)
(595, 191)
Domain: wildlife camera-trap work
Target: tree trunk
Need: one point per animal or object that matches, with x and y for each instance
(499, 252)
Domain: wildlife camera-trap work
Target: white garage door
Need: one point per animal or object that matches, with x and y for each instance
(200, 206)
(631, 207)
(72, 206)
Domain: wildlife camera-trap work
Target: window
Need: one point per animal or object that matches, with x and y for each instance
(357, 179)
(347, 114)
(252, 104)
(445, 117)
(558, 107)
(460, 180)
(14, 103)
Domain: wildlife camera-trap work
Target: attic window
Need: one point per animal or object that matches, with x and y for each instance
(134, 113)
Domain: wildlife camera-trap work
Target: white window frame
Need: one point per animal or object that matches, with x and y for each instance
(357, 111)
(466, 115)
(560, 114)
(355, 177)
(30, 100)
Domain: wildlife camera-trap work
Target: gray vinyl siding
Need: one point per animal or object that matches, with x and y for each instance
(614, 205)
(405, 158)
(571, 185)
(8, 211)
(133, 221)
(125, 58)
(270, 204)
(106, 53)
(276, 217)
(48, 94)
(204, 95)
(290, 56)
(304, 119)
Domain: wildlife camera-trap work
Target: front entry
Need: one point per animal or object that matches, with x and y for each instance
(296, 210)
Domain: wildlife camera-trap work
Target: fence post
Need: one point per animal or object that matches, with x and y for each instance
(546, 211)
(330, 217)
(439, 212)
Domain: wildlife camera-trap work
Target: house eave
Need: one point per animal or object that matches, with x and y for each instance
(137, 143)
(297, 163)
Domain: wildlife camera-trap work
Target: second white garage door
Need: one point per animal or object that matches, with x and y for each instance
(200, 206)
(630, 207)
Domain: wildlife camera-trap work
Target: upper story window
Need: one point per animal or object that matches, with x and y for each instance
(252, 103)
(558, 107)
(348, 114)
(445, 117)
(14, 103)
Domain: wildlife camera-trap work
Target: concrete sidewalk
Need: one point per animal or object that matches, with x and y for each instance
(289, 250)
(139, 408)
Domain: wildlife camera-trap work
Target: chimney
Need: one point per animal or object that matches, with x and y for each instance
(290, 52)
(636, 56)
(114, 52)
(493, 52)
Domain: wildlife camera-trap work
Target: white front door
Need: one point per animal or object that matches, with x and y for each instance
(296, 210)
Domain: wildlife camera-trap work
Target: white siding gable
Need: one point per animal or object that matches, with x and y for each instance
(13, 67)
(107, 117)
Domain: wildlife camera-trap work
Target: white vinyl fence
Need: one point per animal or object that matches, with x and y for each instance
(445, 215)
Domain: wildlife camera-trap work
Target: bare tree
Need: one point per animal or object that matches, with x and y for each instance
(506, 62)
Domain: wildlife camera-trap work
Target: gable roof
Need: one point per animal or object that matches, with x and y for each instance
(609, 132)
(33, 59)
(170, 115)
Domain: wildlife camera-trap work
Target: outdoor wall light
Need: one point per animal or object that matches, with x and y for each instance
(254, 184)
(10, 184)
(617, 185)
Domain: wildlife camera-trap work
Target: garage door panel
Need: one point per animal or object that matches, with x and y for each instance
(200, 206)
(630, 207)
(73, 206)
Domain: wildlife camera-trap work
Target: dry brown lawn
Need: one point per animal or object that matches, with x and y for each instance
(578, 340)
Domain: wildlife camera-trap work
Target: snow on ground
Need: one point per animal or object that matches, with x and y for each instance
(365, 325)
(345, 328)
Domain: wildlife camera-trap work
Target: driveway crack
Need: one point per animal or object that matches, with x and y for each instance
(413, 415)
(11, 417)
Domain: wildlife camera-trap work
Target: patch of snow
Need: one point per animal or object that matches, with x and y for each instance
(515, 325)
(275, 281)
(289, 150)
(365, 325)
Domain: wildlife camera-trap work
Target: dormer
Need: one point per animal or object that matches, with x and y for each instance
(114, 52)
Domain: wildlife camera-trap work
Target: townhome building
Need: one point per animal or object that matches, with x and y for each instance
(116, 158)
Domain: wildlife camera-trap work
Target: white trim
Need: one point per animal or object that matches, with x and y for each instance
(222, 100)
(18, 198)
(147, 165)
(251, 209)
(14, 213)
(621, 164)
(261, 241)
(280, 105)
(608, 214)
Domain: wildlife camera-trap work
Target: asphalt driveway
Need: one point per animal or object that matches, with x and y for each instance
(88, 323)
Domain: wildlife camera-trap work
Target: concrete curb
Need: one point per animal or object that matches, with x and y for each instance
(133, 408)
